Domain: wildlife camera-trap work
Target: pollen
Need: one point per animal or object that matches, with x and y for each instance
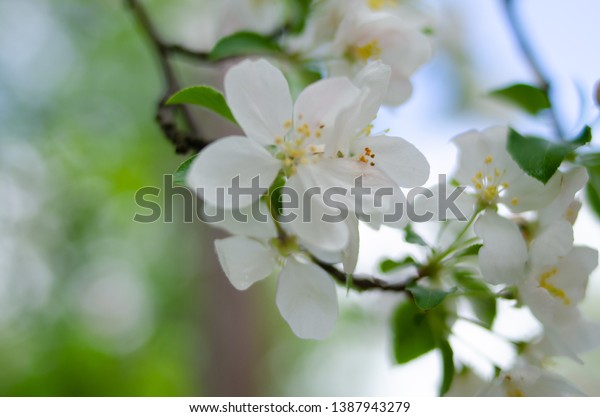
(304, 130)
(488, 159)
(287, 124)
(553, 290)
(380, 4)
(514, 201)
(367, 51)
(278, 140)
(490, 193)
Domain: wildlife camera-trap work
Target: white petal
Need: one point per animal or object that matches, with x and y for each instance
(572, 339)
(553, 243)
(397, 158)
(375, 78)
(572, 181)
(307, 300)
(350, 254)
(504, 253)
(320, 104)
(529, 193)
(259, 97)
(225, 159)
(244, 261)
(306, 220)
(251, 221)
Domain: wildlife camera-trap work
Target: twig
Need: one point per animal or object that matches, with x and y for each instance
(364, 283)
(184, 142)
(536, 67)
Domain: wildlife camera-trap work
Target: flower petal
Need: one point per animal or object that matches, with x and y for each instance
(572, 181)
(244, 261)
(397, 158)
(212, 173)
(553, 243)
(319, 106)
(375, 79)
(307, 299)
(251, 221)
(259, 97)
(504, 253)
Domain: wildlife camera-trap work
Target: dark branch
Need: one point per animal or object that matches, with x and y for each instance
(166, 116)
(364, 283)
(530, 57)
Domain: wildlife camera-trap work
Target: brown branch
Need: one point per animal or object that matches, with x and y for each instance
(166, 116)
(364, 282)
(530, 57)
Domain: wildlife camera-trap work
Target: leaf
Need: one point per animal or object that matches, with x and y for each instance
(206, 97)
(428, 298)
(412, 332)
(299, 10)
(540, 158)
(447, 366)
(592, 163)
(275, 194)
(479, 296)
(593, 197)
(388, 265)
(411, 237)
(181, 171)
(472, 250)
(527, 97)
(243, 43)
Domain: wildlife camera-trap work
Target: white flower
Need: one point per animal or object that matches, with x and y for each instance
(485, 165)
(551, 274)
(363, 37)
(306, 142)
(565, 205)
(306, 295)
(526, 380)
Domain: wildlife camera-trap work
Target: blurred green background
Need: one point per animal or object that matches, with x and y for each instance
(94, 304)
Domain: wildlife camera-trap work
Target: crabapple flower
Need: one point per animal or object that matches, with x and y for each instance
(487, 167)
(526, 380)
(551, 274)
(365, 36)
(305, 143)
(306, 295)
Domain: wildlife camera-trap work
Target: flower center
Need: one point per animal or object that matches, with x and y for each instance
(551, 288)
(380, 4)
(488, 182)
(367, 157)
(367, 51)
(298, 147)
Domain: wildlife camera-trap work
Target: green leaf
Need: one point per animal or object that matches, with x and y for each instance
(472, 250)
(593, 197)
(206, 97)
(527, 97)
(243, 43)
(540, 158)
(592, 163)
(447, 366)
(275, 194)
(428, 298)
(181, 171)
(299, 10)
(388, 265)
(583, 138)
(479, 296)
(411, 237)
(412, 332)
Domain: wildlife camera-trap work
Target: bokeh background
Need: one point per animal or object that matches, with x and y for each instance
(94, 304)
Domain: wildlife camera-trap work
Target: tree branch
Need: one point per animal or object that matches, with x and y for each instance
(166, 116)
(364, 283)
(529, 54)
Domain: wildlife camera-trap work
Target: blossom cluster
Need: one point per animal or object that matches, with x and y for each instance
(516, 239)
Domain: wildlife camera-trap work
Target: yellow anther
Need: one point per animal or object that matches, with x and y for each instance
(279, 140)
(496, 172)
(379, 4)
(514, 201)
(366, 51)
(488, 159)
(553, 290)
(479, 175)
(318, 133)
(505, 185)
(304, 130)
(478, 186)
(490, 193)
(287, 124)
(362, 159)
(372, 164)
